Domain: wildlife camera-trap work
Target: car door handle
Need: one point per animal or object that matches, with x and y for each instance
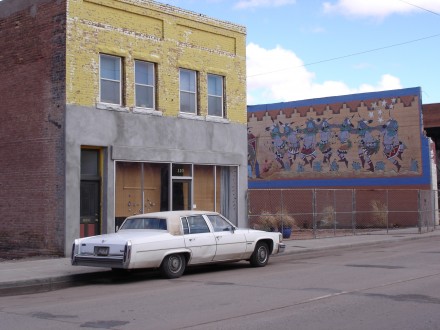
(218, 238)
(191, 239)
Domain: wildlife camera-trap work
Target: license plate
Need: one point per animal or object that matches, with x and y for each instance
(101, 250)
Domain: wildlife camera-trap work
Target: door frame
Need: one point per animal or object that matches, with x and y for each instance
(97, 178)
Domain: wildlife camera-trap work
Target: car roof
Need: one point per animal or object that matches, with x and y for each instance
(173, 218)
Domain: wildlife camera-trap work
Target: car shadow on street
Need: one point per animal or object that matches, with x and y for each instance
(121, 277)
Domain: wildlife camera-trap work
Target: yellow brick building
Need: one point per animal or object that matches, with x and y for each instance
(167, 36)
(156, 113)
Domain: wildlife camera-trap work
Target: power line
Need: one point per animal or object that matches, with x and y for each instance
(411, 4)
(359, 53)
(345, 56)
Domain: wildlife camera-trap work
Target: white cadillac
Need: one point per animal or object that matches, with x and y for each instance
(172, 240)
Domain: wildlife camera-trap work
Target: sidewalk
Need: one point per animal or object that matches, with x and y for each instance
(32, 276)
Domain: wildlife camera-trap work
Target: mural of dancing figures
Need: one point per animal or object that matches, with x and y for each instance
(376, 135)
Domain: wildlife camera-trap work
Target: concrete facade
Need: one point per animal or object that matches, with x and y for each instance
(167, 36)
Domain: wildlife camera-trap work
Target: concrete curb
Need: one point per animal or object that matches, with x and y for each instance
(298, 249)
(15, 288)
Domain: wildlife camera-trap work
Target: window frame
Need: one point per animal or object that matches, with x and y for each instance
(189, 228)
(222, 96)
(153, 66)
(193, 93)
(216, 219)
(120, 81)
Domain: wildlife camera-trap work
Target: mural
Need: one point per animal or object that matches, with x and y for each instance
(371, 135)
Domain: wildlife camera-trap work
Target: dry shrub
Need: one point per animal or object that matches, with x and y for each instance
(380, 212)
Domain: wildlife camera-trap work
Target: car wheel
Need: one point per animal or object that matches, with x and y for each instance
(173, 266)
(260, 257)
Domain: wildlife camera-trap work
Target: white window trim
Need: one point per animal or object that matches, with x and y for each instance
(111, 106)
(217, 119)
(147, 111)
(190, 92)
(153, 86)
(222, 96)
(187, 115)
(120, 82)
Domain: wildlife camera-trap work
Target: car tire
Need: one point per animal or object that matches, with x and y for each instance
(260, 256)
(173, 265)
(119, 271)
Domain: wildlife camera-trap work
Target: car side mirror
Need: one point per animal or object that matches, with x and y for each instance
(232, 229)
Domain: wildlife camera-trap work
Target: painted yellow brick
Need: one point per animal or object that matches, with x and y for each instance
(166, 35)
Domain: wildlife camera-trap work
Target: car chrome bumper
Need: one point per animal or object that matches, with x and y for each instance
(94, 261)
(281, 247)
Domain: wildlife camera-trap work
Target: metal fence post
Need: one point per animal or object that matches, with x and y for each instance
(434, 209)
(334, 213)
(353, 211)
(420, 211)
(436, 214)
(282, 210)
(314, 214)
(388, 211)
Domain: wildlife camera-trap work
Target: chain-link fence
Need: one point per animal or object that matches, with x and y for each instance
(316, 213)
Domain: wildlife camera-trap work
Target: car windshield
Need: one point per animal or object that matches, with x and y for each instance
(145, 223)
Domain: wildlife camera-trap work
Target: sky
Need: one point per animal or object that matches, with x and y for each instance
(306, 49)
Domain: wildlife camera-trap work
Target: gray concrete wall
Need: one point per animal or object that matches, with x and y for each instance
(146, 137)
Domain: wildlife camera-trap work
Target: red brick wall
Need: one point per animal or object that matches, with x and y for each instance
(32, 109)
(431, 115)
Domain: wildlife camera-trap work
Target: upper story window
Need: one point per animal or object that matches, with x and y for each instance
(215, 95)
(145, 84)
(188, 91)
(110, 79)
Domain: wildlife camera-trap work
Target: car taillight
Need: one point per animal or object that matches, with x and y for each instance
(281, 237)
(75, 250)
(127, 252)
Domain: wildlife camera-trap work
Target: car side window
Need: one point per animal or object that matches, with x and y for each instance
(196, 225)
(185, 226)
(218, 223)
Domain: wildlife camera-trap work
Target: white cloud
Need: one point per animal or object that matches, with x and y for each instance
(278, 75)
(379, 8)
(244, 4)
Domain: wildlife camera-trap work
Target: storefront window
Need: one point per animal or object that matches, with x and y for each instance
(145, 187)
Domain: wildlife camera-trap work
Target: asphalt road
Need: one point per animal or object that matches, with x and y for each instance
(389, 286)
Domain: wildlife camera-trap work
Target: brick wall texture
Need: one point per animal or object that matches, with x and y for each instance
(32, 103)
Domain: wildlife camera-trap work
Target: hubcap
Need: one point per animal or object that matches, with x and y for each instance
(262, 254)
(175, 264)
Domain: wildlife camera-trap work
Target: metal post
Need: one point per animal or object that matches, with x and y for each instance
(388, 211)
(353, 211)
(314, 213)
(420, 211)
(282, 212)
(334, 212)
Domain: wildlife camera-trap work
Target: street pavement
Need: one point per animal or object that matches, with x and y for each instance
(34, 275)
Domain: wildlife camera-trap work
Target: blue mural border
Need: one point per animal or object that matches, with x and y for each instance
(335, 99)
